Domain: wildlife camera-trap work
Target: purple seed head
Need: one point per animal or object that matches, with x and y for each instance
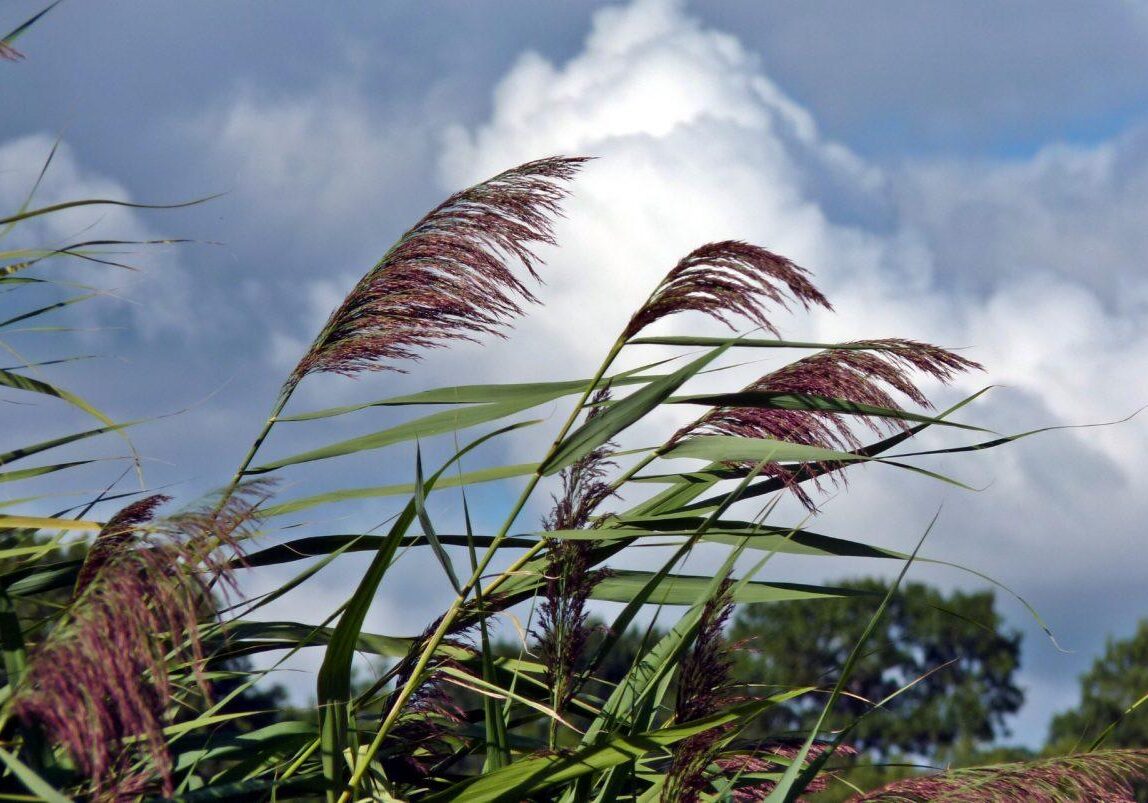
(725, 280)
(562, 632)
(1102, 775)
(449, 277)
(705, 686)
(101, 683)
(865, 373)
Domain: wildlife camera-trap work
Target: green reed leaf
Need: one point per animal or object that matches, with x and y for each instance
(476, 477)
(621, 414)
(35, 784)
(687, 589)
(428, 526)
(735, 448)
(535, 773)
(424, 427)
(485, 394)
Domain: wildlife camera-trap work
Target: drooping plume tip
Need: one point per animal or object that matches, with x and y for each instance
(861, 373)
(450, 277)
(729, 279)
(99, 683)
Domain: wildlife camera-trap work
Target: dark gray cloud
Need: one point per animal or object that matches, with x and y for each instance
(897, 77)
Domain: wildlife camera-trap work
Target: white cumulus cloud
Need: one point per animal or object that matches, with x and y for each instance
(1029, 263)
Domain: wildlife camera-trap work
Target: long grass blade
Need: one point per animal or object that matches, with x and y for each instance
(19, 30)
(491, 474)
(486, 394)
(535, 773)
(687, 589)
(39, 471)
(420, 500)
(334, 681)
(43, 790)
(47, 210)
(67, 302)
(25, 383)
(48, 523)
(424, 427)
(735, 448)
(322, 545)
(620, 415)
(12, 641)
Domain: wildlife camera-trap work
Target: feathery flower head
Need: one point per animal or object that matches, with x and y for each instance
(861, 374)
(583, 485)
(99, 683)
(427, 728)
(865, 374)
(1102, 775)
(117, 534)
(562, 631)
(726, 279)
(764, 760)
(705, 681)
(705, 686)
(448, 278)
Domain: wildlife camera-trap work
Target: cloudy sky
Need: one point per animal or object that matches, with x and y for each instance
(974, 175)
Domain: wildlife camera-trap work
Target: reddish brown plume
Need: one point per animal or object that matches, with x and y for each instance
(447, 278)
(728, 279)
(1103, 775)
(99, 684)
(705, 686)
(117, 535)
(562, 631)
(764, 760)
(861, 373)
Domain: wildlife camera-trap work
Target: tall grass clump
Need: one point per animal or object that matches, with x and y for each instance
(116, 648)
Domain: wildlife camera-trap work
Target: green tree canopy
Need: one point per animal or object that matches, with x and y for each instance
(1116, 681)
(950, 646)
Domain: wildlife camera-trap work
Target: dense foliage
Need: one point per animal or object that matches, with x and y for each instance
(124, 663)
(943, 660)
(1112, 695)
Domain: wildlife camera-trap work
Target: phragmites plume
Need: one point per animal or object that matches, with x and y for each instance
(705, 686)
(772, 758)
(426, 732)
(584, 487)
(104, 679)
(117, 535)
(861, 373)
(449, 277)
(1105, 775)
(562, 631)
(727, 279)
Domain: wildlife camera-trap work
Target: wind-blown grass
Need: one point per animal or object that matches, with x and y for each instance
(109, 659)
